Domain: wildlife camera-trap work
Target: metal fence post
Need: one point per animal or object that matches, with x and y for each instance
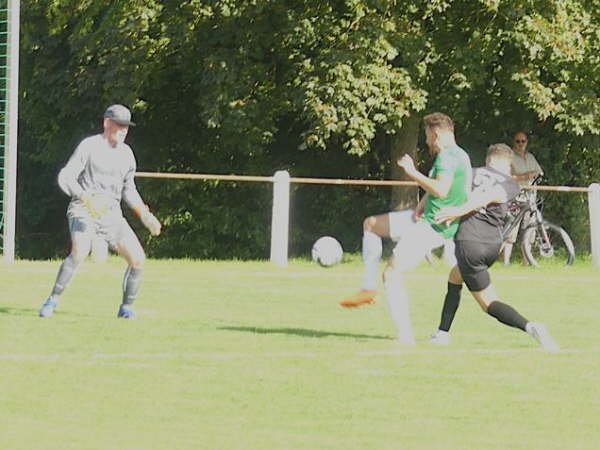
(594, 207)
(281, 218)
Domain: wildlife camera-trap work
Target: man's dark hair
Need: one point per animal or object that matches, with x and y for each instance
(438, 120)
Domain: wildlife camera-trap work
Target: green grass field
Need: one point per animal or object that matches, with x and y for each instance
(243, 355)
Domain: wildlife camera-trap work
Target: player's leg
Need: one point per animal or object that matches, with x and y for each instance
(81, 242)
(509, 244)
(375, 228)
(451, 302)
(416, 241)
(479, 283)
(489, 301)
(449, 252)
(525, 223)
(129, 247)
(510, 241)
(398, 303)
(474, 260)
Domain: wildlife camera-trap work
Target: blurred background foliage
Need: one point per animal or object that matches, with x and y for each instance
(321, 89)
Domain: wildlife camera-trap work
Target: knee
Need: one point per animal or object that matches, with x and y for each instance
(455, 276)
(77, 257)
(391, 272)
(137, 262)
(79, 251)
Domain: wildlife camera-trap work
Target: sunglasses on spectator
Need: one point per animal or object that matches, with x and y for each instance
(520, 141)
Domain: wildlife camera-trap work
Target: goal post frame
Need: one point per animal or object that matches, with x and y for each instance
(11, 130)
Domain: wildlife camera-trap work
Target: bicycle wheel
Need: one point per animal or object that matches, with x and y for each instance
(546, 244)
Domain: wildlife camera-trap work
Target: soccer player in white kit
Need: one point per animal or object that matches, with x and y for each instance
(100, 174)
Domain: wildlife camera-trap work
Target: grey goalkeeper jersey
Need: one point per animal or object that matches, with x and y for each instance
(97, 168)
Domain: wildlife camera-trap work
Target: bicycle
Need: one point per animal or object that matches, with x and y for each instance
(542, 243)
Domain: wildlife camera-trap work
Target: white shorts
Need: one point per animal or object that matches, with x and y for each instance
(414, 240)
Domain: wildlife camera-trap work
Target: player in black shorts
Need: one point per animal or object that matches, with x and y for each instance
(478, 244)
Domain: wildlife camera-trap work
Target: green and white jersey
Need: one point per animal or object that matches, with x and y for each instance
(97, 168)
(456, 162)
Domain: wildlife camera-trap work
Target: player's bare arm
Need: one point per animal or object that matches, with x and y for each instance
(438, 187)
(420, 208)
(526, 176)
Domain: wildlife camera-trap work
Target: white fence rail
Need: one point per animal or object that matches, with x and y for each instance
(281, 202)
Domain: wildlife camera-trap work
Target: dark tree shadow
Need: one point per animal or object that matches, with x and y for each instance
(304, 332)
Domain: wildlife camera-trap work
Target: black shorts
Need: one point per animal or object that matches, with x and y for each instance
(474, 259)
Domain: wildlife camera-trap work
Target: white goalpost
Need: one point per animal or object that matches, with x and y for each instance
(11, 113)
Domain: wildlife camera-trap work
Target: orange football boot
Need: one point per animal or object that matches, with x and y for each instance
(362, 297)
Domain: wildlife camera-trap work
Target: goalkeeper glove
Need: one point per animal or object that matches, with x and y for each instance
(96, 204)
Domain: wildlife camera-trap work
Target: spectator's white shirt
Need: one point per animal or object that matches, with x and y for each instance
(521, 164)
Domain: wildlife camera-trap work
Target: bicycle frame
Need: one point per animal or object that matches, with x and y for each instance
(525, 206)
(540, 239)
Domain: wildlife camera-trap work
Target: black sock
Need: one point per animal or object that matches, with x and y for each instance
(507, 315)
(450, 306)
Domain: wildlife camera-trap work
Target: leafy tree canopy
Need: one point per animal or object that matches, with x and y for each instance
(253, 86)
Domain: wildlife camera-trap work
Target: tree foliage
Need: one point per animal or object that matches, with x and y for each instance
(318, 88)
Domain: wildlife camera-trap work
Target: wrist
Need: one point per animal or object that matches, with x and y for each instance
(140, 210)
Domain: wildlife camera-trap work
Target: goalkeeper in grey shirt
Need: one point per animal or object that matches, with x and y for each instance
(100, 174)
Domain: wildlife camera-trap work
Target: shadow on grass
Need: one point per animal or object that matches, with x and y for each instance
(303, 332)
(18, 311)
(33, 312)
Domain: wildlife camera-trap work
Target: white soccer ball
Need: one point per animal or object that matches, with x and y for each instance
(327, 251)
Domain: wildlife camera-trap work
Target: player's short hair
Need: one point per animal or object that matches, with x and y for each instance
(499, 151)
(438, 120)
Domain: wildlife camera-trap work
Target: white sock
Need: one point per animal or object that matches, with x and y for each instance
(449, 257)
(372, 248)
(399, 307)
(528, 329)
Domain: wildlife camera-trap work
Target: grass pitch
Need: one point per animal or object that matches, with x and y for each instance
(232, 355)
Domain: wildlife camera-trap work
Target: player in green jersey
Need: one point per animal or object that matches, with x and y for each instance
(415, 232)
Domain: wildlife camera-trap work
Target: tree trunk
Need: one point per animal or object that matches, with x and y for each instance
(401, 143)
